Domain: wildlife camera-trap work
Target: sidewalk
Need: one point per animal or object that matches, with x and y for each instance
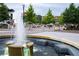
(34, 30)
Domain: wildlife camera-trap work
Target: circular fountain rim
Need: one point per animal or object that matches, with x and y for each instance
(66, 41)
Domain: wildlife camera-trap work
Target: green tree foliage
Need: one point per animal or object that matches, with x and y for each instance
(77, 15)
(69, 15)
(60, 19)
(39, 19)
(77, 18)
(49, 18)
(30, 16)
(4, 13)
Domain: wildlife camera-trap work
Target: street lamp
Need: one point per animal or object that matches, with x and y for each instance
(23, 10)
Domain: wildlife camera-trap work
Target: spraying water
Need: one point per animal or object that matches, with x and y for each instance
(20, 30)
(20, 33)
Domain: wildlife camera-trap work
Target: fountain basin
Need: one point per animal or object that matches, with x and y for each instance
(68, 38)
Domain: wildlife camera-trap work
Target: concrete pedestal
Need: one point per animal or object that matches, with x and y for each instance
(30, 46)
(18, 50)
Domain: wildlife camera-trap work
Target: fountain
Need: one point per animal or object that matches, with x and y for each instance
(20, 44)
(20, 30)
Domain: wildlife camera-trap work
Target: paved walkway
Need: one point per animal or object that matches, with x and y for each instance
(31, 31)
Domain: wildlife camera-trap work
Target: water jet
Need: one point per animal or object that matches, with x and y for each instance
(20, 44)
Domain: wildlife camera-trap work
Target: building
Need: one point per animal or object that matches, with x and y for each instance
(8, 24)
(11, 13)
(39, 18)
(56, 18)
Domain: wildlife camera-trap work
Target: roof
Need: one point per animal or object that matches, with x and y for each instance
(11, 10)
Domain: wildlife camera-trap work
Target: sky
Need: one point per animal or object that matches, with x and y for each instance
(40, 8)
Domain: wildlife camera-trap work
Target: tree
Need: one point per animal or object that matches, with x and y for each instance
(39, 18)
(30, 16)
(49, 18)
(77, 15)
(60, 19)
(4, 13)
(69, 15)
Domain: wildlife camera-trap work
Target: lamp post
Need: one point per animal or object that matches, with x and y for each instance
(23, 10)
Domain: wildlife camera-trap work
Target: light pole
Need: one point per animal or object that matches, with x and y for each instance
(23, 10)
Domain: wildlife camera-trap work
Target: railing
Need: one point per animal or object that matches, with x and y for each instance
(38, 30)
